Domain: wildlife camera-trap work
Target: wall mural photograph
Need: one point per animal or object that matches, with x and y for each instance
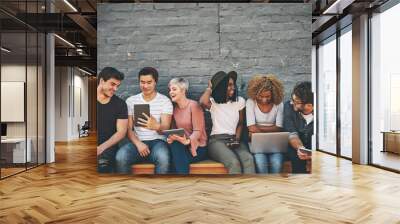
(213, 88)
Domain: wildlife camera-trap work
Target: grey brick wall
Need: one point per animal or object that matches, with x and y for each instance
(195, 40)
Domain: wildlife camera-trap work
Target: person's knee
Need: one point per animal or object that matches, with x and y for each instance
(176, 147)
(276, 158)
(233, 165)
(125, 153)
(104, 166)
(161, 153)
(176, 144)
(260, 159)
(247, 158)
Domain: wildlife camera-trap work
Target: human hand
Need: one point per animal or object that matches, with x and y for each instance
(150, 122)
(99, 150)
(303, 154)
(143, 149)
(169, 140)
(181, 139)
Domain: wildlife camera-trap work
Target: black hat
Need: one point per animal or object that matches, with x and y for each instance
(221, 75)
(233, 75)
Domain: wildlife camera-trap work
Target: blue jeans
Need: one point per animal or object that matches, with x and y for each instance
(182, 158)
(128, 155)
(273, 160)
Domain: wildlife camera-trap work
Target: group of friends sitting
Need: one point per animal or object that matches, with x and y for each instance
(149, 140)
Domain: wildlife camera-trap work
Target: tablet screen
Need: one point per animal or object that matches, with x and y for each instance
(139, 109)
(179, 132)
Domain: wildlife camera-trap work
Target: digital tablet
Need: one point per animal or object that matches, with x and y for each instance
(139, 109)
(179, 132)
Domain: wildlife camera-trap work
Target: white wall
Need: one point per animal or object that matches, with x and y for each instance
(14, 73)
(61, 103)
(33, 126)
(70, 83)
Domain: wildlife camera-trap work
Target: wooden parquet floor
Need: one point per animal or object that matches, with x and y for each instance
(71, 191)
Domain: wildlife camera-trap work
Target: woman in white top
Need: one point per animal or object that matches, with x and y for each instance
(227, 114)
(264, 113)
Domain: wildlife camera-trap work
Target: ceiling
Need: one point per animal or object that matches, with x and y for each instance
(332, 15)
(76, 22)
(72, 20)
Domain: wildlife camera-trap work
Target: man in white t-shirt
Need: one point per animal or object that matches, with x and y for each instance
(146, 142)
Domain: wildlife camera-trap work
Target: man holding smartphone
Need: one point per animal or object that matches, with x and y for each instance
(112, 118)
(147, 143)
(299, 121)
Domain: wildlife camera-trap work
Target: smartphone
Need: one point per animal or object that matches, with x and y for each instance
(307, 151)
(139, 109)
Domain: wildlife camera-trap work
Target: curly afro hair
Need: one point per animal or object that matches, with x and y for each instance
(268, 82)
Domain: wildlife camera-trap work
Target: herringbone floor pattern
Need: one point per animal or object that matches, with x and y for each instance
(71, 191)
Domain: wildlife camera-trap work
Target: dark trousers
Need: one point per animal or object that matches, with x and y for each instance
(182, 158)
(106, 160)
(298, 165)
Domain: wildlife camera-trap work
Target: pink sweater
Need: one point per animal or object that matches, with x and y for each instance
(191, 119)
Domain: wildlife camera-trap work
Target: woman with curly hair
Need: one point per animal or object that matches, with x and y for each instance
(264, 113)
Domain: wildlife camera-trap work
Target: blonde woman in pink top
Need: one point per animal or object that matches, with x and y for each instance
(187, 115)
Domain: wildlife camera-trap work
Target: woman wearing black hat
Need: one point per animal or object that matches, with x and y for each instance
(227, 114)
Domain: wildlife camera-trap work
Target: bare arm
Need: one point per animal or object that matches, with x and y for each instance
(165, 122)
(122, 126)
(295, 142)
(239, 128)
(264, 129)
(131, 134)
(205, 98)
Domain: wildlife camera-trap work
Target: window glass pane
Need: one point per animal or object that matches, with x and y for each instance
(31, 97)
(41, 98)
(346, 94)
(385, 88)
(327, 96)
(13, 85)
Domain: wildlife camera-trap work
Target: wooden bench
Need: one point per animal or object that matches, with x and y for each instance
(203, 167)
